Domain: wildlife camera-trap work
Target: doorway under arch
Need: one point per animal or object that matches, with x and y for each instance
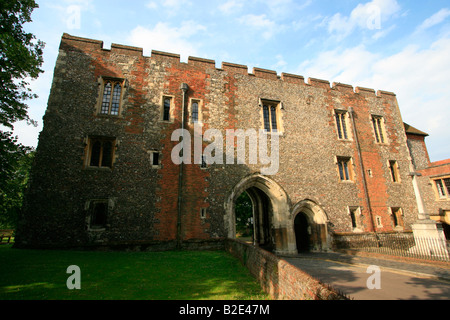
(302, 232)
(270, 214)
(310, 227)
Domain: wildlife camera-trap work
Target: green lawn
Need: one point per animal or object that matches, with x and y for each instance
(174, 275)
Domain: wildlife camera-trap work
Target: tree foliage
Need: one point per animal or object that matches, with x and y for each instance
(15, 165)
(244, 215)
(20, 60)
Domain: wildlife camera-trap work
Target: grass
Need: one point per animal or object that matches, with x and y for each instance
(174, 275)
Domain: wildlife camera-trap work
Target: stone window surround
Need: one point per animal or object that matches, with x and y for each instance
(394, 171)
(102, 80)
(200, 111)
(346, 123)
(445, 196)
(378, 123)
(89, 142)
(350, 166)
(279, 119)
(172, 108)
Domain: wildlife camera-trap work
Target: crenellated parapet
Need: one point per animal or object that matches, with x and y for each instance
(231, 68)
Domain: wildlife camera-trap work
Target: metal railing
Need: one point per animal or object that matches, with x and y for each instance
(401, 244)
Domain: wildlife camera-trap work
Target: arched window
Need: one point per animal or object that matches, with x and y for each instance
(112, 95)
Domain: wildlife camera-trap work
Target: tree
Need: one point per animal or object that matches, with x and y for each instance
(20, 61)
(244, 216)
(15, 166)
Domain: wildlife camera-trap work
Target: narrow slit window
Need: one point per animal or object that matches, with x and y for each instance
(155, 158)
(195, 112)
(166, 111)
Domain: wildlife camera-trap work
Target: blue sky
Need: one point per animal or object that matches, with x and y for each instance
(401, 46)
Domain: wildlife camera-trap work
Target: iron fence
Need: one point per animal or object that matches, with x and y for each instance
(401, 244)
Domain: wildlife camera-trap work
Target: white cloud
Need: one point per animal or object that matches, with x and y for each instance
(163, 37)
(230, 6)
(435, 19)
(418, 75)
(261, 22)
(369, 16)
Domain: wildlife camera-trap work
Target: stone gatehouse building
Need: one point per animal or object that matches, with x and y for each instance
(104, 173)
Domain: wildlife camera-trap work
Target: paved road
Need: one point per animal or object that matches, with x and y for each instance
(397, 280)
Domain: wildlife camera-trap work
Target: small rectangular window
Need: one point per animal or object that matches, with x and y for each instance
(166, 108)
(194, 112)
(98, 214)
(203, 213)
(155, 159)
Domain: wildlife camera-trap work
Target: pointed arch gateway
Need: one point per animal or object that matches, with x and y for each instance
(271, 215)
(310, 227)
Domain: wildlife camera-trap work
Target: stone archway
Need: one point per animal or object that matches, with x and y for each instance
(272, 221)
(310, 227)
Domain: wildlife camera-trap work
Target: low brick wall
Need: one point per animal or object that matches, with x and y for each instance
(280, 279)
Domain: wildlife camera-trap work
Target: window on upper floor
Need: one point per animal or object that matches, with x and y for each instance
(443, 187)
(167, 106)
(111, 96)
(100, 152)
(394, 171)
(271, 115)
(341, 124)
(345, 168)
(379, 130)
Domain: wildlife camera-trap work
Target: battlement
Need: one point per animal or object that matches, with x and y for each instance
(196, 62)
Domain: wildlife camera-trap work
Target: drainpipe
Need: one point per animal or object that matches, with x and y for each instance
(363, 171)
(184, 88)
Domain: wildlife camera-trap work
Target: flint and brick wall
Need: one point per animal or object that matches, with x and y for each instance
(143, 201)
(278, 278)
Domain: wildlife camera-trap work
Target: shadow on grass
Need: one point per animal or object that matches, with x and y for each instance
(174, 275)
